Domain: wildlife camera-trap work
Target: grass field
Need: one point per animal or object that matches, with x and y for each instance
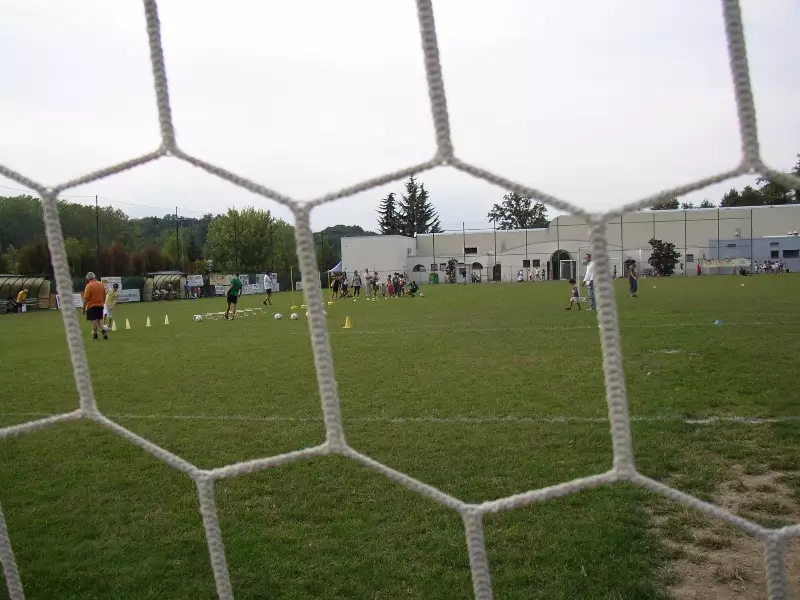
(482, 391)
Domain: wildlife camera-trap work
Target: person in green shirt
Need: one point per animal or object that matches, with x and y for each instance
(233, 296)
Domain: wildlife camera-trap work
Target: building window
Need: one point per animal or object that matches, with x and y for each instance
(690, 258)
(443, 266)
(774, 254)
(791, 254)
(419, 268)
(434, 267)
(536, 263)
(731, 245)
(526, 264)
(471, 250)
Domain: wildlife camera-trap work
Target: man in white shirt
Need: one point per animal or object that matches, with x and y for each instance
(588, 279)
(267, 290)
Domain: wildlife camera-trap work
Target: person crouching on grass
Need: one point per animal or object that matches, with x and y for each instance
(94, 297)
(575, 296)
(233, 296)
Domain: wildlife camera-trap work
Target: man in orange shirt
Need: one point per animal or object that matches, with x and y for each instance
(94, 297)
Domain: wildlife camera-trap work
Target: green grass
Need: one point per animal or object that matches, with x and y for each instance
(420, 380)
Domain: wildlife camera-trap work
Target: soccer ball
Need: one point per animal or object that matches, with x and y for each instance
(198, 318)
(293, 316)
(421, 295)
(278, 316)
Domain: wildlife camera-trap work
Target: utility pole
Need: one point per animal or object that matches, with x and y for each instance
(177, 240)
(494, 267)
(236, 244)
(97, 232)
(464, 246)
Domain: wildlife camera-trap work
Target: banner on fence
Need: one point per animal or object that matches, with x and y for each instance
(194, 280)
(130, 296)
(219, 279)
(77, 300)
(220, 290)
(110, 281)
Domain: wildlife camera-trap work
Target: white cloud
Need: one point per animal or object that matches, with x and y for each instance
(599, 103)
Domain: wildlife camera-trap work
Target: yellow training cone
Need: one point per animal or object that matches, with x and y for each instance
(127, 324)
(113, 326)
(166, 319)
(148, 322)
(346, 323)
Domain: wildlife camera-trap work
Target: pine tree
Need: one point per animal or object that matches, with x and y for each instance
(388, 216)
(416, 213)
(407, 208)
(427, 219)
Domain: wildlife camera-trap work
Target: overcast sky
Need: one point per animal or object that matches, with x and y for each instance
(599, 102)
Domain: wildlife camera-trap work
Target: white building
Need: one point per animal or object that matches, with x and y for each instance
(500, 255)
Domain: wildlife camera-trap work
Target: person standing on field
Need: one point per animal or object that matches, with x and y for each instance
(112, 297)
(588, 280)
(94, 298)
(268, 290)
(633, 280)
(233, 296)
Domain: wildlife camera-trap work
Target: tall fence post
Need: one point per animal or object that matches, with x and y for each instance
(528, 271)
(434, 254)
(97, 232)
(464, 248)
(685, 245)
(622, 243)
(494, 267)
(752, 254)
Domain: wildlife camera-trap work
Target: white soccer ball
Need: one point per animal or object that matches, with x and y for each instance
(293, 316)
(198, 318)
(421, 295)
(278, 316)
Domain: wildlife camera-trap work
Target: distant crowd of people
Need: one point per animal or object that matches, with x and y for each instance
(769, 266)
(394, 286)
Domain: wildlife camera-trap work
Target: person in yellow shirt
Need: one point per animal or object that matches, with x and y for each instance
(94, 297)
(21, 298)
(112, 297)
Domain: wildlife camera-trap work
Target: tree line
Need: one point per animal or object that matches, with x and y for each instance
(249, 240)
(768, 192)
(413, 212)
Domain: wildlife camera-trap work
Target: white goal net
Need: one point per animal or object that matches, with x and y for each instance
(623, 468)
(567, 269)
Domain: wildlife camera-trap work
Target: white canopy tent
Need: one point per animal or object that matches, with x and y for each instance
(337, 268)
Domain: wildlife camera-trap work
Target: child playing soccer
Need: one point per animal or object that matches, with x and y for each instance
(575, 297)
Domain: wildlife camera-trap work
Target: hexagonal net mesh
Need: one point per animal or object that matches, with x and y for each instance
(623, 468)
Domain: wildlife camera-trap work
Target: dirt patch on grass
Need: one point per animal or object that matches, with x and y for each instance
(711, 560)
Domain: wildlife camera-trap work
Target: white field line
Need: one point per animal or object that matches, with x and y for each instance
(511, 419)
(529, 328)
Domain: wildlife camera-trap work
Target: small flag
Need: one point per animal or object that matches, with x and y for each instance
(127, 324)
(166, 319)
(113, 326)
(148, 322)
